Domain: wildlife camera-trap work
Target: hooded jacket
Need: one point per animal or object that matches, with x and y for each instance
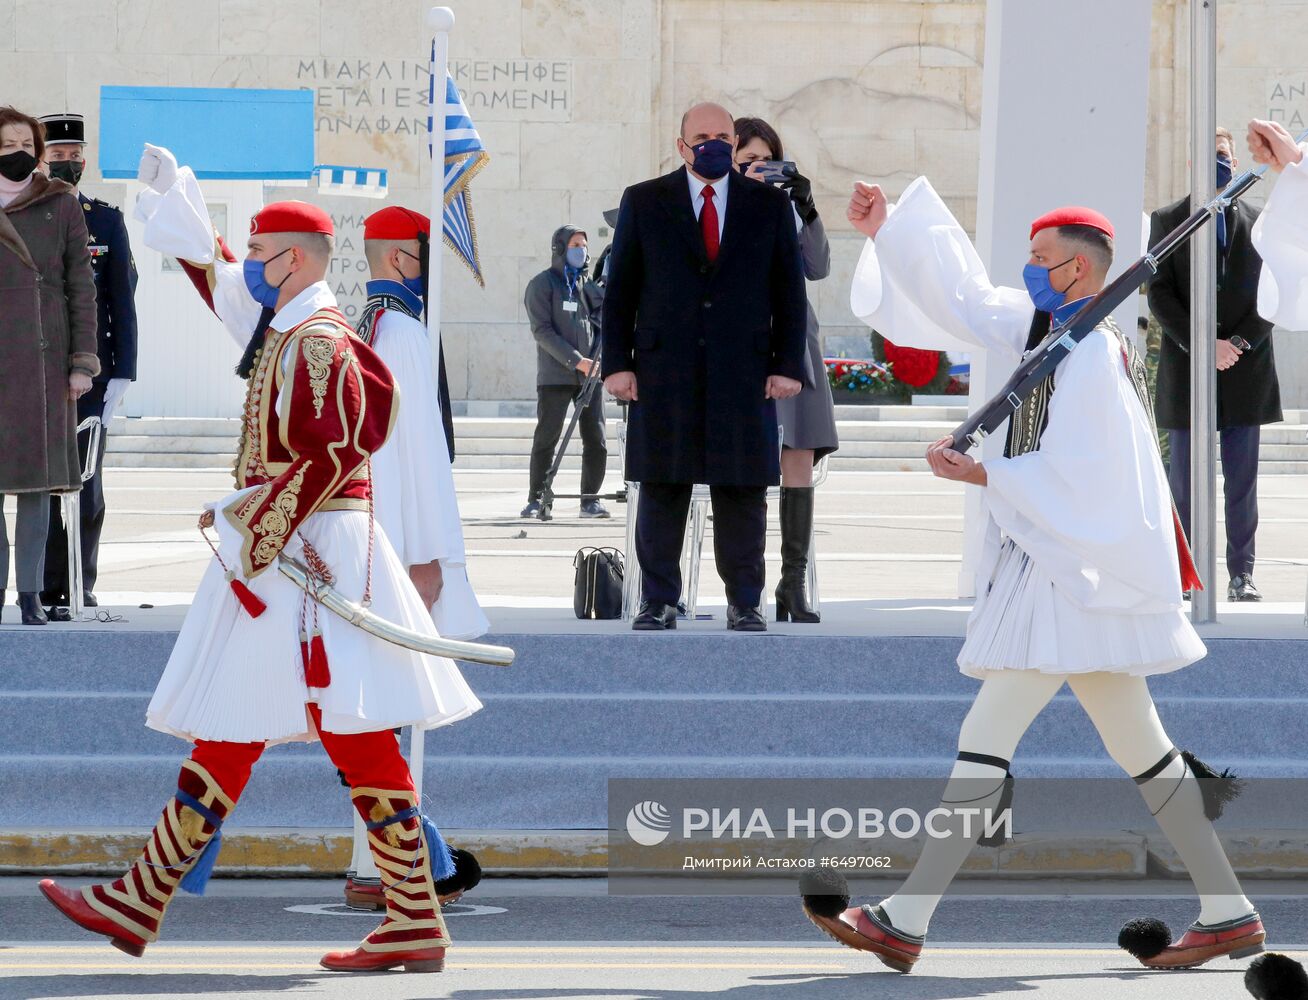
(563, 335)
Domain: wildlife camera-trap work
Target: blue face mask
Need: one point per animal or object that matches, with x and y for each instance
(263, 293)
(416, 285)
(1224, 172)
(1045, 296)
(712, 158)
(576, 257)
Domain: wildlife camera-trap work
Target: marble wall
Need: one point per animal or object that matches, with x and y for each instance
(578, 98)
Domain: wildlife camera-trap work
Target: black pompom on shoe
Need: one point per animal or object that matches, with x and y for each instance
(467, 873)
(1144, 937)
(1276, 977)
(825, 892)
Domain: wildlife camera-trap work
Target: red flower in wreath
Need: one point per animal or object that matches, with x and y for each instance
(912, 366)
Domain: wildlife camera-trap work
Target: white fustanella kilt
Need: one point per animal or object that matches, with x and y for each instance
(1024, 622)
(241, 679)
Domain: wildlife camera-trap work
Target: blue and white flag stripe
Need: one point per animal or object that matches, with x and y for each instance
(464, 156)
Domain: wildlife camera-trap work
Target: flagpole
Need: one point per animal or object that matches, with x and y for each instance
(441, 21)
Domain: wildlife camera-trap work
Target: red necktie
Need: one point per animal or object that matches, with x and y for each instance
(708, 224)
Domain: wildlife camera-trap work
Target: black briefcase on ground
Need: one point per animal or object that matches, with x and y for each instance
(597, 590)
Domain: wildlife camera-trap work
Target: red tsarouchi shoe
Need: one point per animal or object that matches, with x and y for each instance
(867, 928)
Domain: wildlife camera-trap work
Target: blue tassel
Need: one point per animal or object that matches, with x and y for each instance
(197, 878)
(442, 861)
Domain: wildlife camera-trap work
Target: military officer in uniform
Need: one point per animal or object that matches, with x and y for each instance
(115, 290)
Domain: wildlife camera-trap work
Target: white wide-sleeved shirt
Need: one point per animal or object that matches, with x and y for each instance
(1091, 507)
(1281, 238)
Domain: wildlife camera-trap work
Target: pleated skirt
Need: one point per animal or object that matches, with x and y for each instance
(237, 678)
(1023, 622)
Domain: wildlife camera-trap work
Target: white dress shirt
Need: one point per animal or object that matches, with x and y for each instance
(719, 187)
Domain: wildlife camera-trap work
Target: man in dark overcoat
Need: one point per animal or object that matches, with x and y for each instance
(1248, 394)
(703, 328)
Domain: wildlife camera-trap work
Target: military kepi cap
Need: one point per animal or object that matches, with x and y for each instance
(63, 128)
(396, 223)
(291, 217)
(1073, 215)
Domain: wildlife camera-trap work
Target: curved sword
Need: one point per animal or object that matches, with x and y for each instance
(359, 616)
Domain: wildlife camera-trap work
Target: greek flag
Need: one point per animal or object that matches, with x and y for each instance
(464, 156)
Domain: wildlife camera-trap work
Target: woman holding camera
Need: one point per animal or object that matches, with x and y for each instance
(808, 421)
(47, 346)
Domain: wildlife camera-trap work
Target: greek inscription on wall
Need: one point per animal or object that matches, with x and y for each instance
(390, 97)
(1287, 102)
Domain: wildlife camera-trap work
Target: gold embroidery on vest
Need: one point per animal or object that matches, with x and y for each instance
(275, 523)
(318, 354)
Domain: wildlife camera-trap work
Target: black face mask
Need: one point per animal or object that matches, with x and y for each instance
(16, 166)
(67, 170)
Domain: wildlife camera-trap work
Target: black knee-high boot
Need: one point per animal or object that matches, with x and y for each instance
(796, 530)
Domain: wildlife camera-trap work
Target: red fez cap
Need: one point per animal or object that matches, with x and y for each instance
(1073, 215)
(291, 217)
(396, 223)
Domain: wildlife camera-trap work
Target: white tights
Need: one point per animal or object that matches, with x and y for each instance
(1123, 712)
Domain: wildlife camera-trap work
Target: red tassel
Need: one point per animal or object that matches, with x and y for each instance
(304, 653)
(249, 600)
(316, 674)
(1189, 574)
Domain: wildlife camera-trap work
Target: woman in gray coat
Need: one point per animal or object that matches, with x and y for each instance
(47, 346)
(808, 421)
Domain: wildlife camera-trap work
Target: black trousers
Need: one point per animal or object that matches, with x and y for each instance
(56, 548)
(552, 403)
(1239, 447)
(740, 520)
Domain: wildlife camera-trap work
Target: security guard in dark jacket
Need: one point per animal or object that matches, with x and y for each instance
(560, 302)
(1248, 394)
(115, 290)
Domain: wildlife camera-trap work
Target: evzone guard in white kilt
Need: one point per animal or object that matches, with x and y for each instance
(255, 664)
(413, 481)
(1083, 570)
(1281, 233)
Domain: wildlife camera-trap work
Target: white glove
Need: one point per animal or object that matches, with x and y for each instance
(158, 169)
(113, 395)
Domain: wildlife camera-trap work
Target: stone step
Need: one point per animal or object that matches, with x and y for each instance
(613, 661)
(575, 711)
(160, 444)
(577, 728)
(473, 793)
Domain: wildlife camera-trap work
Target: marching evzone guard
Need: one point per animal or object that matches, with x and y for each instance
(256, 663)
(1281, 233)
(413, 482)
(1082, 576)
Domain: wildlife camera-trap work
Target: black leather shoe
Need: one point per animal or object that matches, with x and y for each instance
(654, 617)
(30, 607)
(1242, 589)
(88, 600)
(745, 619)
(58, 614)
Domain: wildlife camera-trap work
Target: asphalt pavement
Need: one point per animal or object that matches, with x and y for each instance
(559, 939)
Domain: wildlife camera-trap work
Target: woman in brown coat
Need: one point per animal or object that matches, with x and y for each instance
(47, 346)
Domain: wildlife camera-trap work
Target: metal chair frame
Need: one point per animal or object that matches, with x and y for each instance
(692, 548)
